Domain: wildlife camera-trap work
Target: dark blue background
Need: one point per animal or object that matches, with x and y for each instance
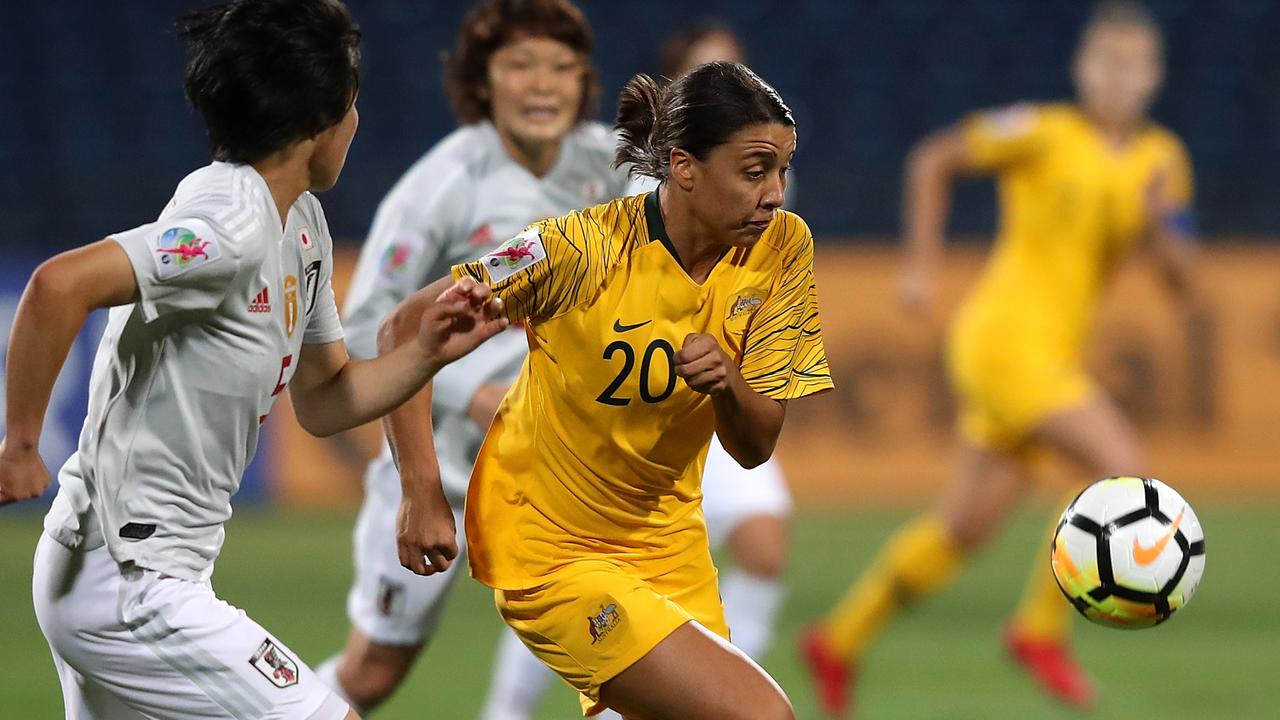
(94, 131)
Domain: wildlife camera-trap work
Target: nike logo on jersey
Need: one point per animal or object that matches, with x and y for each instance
(618, 327)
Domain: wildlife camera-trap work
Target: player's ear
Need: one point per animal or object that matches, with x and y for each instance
(683, 168)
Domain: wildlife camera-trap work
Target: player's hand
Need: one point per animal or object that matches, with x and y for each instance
(426, 534)
(915, 289)
(703, 364)
(459, 320)
(22, 474)
(484, 404)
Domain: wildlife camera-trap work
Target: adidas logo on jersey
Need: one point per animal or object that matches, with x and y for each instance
(261, 304)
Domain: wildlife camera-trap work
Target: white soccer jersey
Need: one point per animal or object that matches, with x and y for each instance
(459, 201)
(184, 378)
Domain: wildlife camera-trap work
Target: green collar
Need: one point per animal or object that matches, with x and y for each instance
(657, 228)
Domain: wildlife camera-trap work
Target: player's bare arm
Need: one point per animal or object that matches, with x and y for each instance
(747, 422)
(334, 392)
(1171, 242)
(932, 169)
(426, 535)
(60, 295)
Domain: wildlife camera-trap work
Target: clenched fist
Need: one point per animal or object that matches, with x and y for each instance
(704, 365)
(22, 474)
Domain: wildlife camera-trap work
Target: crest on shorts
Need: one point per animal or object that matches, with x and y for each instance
(390, 595)
(274, 665)
(603, 622)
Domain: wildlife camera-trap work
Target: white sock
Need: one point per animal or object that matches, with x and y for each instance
(750, 605)
(519, 680)
(327, 671)
(609, 715)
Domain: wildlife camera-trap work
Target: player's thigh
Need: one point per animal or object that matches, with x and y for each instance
(84, 699)
(388, 604)
(985, 486)
(169, 648)
(694, 674)
(593, 622)
(1097, 436)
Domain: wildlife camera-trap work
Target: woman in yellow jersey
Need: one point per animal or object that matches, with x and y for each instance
(1081, 185)
(653, 321)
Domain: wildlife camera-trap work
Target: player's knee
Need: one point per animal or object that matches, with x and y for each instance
(369, 682)
(759, 546)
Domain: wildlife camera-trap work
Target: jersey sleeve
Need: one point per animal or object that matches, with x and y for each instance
(783, 355)
(181, 264)
(999, 138)
(410, 230)
(550, 268)
(323, 322)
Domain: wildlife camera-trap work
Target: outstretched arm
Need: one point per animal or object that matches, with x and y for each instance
(426, 537)
(932, 169)
(331, 392)
(60, 295)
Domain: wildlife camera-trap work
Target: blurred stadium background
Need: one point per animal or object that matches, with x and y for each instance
(94, 133)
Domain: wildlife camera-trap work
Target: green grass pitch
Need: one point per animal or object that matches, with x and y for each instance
(1216, 659)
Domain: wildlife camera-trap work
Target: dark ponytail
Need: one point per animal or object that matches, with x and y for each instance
(638, 109)
(697, 112)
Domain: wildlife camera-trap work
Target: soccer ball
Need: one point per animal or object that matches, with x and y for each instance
(1128, 552)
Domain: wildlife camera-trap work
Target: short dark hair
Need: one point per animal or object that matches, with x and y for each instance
(494, 23)
(696, 112)
(1126, 13)
(265, 74)
(675, 51)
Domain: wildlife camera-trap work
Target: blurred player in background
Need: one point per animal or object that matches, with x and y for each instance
(747, 510)
(216, 308)
(522, 86)
(584, 509)
(1081, 186)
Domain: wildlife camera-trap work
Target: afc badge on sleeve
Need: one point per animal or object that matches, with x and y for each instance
(274, 665)
(514, 255)
(183, 245)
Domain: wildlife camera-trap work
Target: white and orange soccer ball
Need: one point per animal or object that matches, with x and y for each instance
(1128, 552)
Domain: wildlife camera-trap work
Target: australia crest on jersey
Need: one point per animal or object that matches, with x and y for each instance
(274, 665)
(514, 255)
(743, 306)
(603, 622)
(182, 246)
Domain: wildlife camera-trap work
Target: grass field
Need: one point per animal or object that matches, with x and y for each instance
(1217, 659)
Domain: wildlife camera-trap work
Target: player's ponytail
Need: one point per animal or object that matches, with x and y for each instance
(638, 110)
(697, 112)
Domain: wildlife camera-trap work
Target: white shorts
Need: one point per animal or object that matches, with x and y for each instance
(732, 493)
(388, 603)
(133, 644)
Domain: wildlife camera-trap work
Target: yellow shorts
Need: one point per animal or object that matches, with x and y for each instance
(1005, 389)
(594, 620)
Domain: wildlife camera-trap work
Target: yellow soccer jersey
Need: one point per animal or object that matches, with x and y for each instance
(1071, 207)
(598, 448)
